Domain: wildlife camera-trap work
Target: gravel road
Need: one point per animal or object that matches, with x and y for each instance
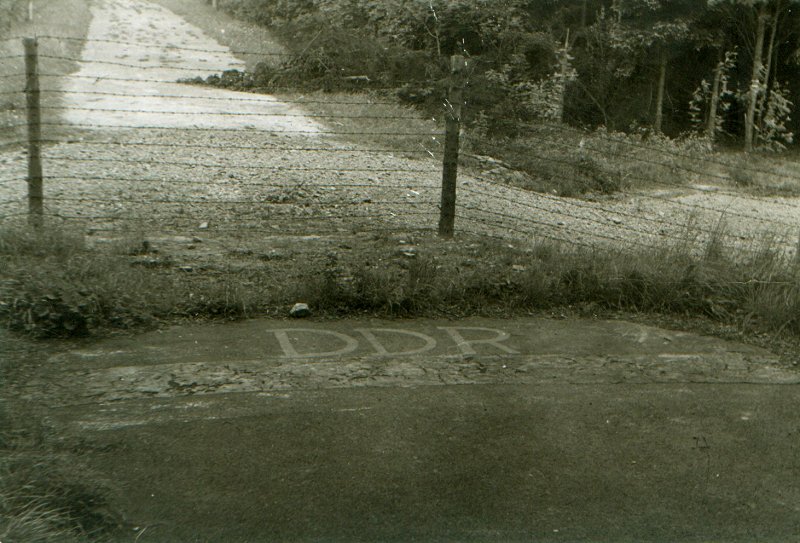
(228, 163)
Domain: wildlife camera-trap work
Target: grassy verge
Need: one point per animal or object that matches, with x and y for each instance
(47, 495)
(56, 286)
(570, 162)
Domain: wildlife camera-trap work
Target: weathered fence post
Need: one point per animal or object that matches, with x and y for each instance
(30, 10)
(214, 4)
(35, 191)
(458, 67)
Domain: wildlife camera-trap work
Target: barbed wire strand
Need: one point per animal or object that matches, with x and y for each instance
(212, 228)
(621, 213)
(470, 220)
(265, 97)
(230, 201)
(226, 146)
(243, 166)
(504, 224)
(235, 183)
(565, 215)
(160, 46)
(238, 130)
(228, 113)
(193, 81)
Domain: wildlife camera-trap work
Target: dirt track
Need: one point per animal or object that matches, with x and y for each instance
(135, 49)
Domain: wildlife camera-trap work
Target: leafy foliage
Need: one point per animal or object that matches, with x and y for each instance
(586, 62)
(773, 134)
(703, 97)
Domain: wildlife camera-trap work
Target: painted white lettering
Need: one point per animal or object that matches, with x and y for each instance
(289, 350)
(380, 349)
(466, 344)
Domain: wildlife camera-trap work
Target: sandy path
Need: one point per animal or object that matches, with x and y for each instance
(134, 53)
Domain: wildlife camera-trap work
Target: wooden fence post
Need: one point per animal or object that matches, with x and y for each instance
(30, 10)
(35, 190)
(458, 67)
(214, 4)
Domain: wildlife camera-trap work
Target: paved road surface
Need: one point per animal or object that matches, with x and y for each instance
(476, 430)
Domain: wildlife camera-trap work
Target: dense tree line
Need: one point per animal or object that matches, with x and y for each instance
(724, 69)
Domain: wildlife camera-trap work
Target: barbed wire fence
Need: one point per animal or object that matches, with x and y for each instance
(244, 163)
(123, 146)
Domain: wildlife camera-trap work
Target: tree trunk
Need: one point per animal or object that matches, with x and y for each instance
(768, 69)
(662, 81)
(711, 129)
(617, 6)
(564, 75)
(755, 81)
(583, 15)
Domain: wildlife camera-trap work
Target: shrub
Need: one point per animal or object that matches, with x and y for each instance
(741, 177)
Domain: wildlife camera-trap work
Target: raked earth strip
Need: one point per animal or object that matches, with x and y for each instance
(139, 50)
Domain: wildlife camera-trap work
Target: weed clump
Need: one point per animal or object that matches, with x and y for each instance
(47, 494)
(53, 286)
(390, 290)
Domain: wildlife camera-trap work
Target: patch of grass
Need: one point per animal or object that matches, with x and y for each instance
(405, 289)
(743, 179)
(565, 161)
(53, 285)
(47, 493)
(91, 291)
(552, 167)
(763, 174)
(48, 496)
(759, 292)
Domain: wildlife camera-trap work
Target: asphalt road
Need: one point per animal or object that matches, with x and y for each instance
(523, 430)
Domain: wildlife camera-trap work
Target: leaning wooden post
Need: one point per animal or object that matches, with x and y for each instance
(214, 4)
(458, 68)
(30, 10)
(35, 191)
